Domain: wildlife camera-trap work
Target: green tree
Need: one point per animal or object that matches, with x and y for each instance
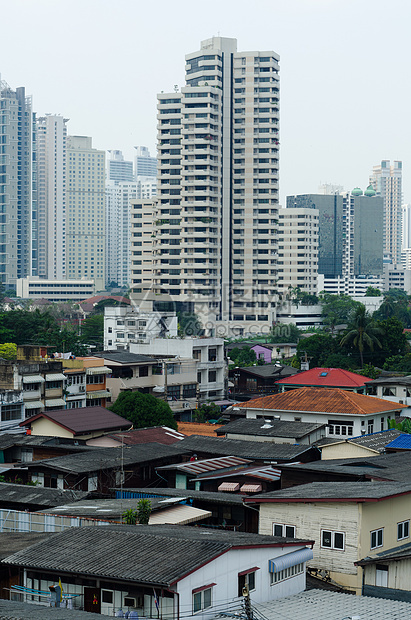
(394, 341)
(189, 324)
(130, 516)
(92, 331)
(317, 348)
(244, 356)
(337, 309)
(362, 332)
(143, 511)
(284, 333)
(8, 351)
(207, 411)
(372, 292)
(368, 370)
(404, 426)
(143, 410)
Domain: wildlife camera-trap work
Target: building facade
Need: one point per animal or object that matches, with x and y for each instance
(386, 179)
(51, 196)
(218, 145)
(298, 250)
(54, 290)
(118, 169)
(85, 208)
(18, 186)
(144, 164)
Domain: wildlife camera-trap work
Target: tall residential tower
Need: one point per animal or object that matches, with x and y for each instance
(386, 180)
(218, 149)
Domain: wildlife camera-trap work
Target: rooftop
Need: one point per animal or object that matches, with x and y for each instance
(150, 554)
(324, 400)
(82, 420)
(124, 357)
(336, 491)
(258, 451)
(11, 542)
(36, 495)
(14, 610)
(390, 381)
(159, 434)
(377, 441)
(274, 428)
(325, 605)
(201, 496)
(106, 458)
(270, 370)
(390, 555)
(401, 442)
(327, 377)
(198, 428)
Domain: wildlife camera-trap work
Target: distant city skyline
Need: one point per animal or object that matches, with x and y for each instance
(343, 70)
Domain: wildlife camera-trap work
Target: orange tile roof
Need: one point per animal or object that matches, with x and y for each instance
(323, 400)
(198, 428)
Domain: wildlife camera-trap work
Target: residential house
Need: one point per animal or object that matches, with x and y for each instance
(167, 571)
(101, 469)
(158, 434)
(174, 379)
(30, 499)
(347, 414)
(82, 423)
(348, 521)
(277, 431)
(397, 389)
(386, 574)
(252, 380)
(274, 351)
(362, 446)
(325, 377)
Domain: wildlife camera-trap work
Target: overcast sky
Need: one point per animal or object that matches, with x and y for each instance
(344, 70)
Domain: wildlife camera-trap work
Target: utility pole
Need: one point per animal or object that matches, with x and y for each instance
(247, 603)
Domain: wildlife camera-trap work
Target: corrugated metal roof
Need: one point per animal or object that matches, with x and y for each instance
(402, 442)
(33, 379)
(198, 467)
(251, 488)
(56, 376)
(232, 487)
(323, 400)
(290, 559)
(179, 515)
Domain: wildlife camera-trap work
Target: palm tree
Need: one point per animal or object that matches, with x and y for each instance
(362, 332)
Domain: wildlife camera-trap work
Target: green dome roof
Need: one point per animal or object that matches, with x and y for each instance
(370, 191)
(356, 192)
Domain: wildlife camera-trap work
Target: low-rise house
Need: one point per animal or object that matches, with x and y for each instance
(83, 423)
(326, 377)
(25, 448)
(397, 389)
(101, 469)
(253, 380)
(86, 384)
(158, 434)
(271, 352)
(277, 431)
(347, 414)
(348, 521)
(362, 446)
(400, 443)
(31, 499)
(166, 571)
(387, 574)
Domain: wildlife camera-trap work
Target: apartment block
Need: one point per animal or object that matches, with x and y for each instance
(85, 206)
(51, 196)
(217, 207)
(298, 250)
(386, 179)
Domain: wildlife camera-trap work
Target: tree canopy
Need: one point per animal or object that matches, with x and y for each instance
(243, 356)
(362, 333)
(337, 309)
(143, 410)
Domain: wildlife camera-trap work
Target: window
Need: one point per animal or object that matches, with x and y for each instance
(212, 376)
(332, 540)
(377, 538)
(202, 598)
(336, 427)
(370, 427)
(107, 596)
(143, 371)
(280, 529)
(11, 412)
(403, 529)
(173, 392)
(286, 573)
(247, 578)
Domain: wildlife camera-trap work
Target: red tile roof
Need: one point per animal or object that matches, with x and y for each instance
(326, 377)
(323, 400)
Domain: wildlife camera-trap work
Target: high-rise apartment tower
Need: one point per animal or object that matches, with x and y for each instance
(18, 205)
(218, 150)
(386, 180)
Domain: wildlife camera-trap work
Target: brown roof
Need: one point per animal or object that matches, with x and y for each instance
(157, 434)
(82, 419)
(325, 401)
(198, 428)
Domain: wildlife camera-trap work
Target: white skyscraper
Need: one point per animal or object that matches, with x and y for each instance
(51, 193)
(145, 165)
(118, 169)
(218, 149)
(386, 179)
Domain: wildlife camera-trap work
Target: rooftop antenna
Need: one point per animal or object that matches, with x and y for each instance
(176, 88)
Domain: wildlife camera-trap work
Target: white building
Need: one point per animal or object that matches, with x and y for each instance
(355, 286)
(118, 169)
(141, 245)
(298, 250)
(144, 164)
(218, 147)
(396, 277)
(51, 196)
(34, 287)
(85, 209)
(386, 179)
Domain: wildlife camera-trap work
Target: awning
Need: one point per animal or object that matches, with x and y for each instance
(229, 486)
(98, 370)
(33, 379)
(178, 515)
(55, 402)
(33, 404)
(57, 376)
(290, 559)
(98, 394)
(251, 488)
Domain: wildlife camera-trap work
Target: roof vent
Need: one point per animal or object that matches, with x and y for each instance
(267, 424)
